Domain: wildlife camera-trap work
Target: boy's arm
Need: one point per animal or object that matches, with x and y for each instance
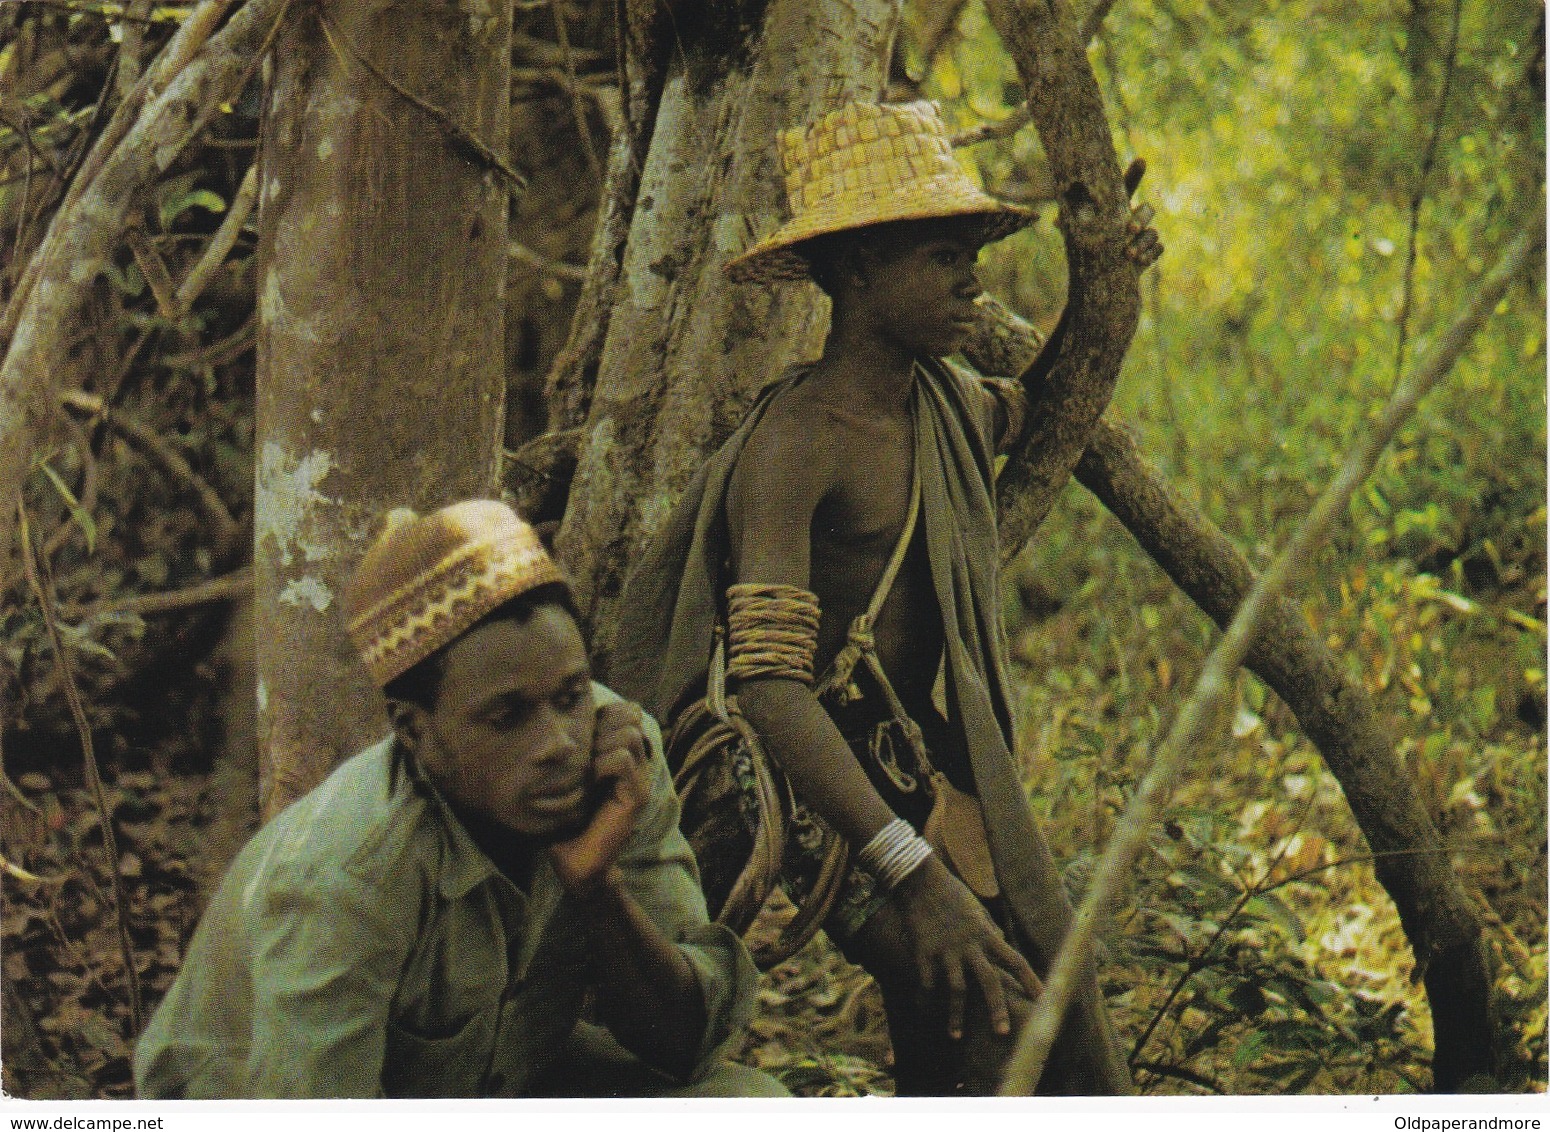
(781, 479)
(777, 489)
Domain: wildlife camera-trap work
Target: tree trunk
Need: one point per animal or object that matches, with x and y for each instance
(684, 348)
(381, 262)
(1336, 714)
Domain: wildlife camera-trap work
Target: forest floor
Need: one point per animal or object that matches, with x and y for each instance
(1256, 954)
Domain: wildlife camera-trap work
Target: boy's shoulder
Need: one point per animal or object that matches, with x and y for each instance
(797, 429)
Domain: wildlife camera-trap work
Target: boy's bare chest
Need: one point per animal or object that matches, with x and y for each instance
(864, 511)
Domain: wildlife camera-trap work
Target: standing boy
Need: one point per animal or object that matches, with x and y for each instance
(845, 539)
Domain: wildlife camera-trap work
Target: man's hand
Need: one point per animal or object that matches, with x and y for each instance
(584, 863)
(1142, 245)
(952, 937)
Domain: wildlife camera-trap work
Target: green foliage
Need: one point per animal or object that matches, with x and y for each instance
(1286, 145)
(78, 514)
(179, 195)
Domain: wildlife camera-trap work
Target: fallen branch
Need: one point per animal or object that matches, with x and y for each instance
(1038, 1035)
(1334, 710)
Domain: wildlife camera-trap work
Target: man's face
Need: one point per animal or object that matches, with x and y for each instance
(509, 741)
(923, 286)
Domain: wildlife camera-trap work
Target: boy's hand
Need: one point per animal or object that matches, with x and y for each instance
(1142, 245)
(621, 789)
(952, 938)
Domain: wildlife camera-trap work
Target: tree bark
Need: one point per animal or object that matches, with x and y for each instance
(381, 264)
(1103, 301)
(1336, 713)
(685, 348)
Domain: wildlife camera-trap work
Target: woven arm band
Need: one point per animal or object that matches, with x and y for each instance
(772, 630)
(893, 854)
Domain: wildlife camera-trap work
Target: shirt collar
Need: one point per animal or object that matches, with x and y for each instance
(464, 865)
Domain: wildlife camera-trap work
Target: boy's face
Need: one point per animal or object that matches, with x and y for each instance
(509, 740)
(921, 285)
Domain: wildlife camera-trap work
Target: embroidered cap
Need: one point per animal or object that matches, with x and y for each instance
(428, 578)
(869, 163)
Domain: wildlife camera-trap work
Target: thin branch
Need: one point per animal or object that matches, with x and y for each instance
(133, 19)
(1195, 962)
(994, 131)
(1021, 115)
(228, 587)
(16, 872)
(221, 243)
(164, 69)
(228, 349)
(1189, 1076)
(87, 496)
(82, 237)
(170, 461)
(1034, 1044)
(461, 140)
(154, 269)
(1419, 194)
(558, 268)
(577, 109)
(83, 729)
(117, 13)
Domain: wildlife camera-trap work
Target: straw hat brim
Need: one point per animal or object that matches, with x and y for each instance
(778, 257)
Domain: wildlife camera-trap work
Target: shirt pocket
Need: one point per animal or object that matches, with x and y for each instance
(440, 1065)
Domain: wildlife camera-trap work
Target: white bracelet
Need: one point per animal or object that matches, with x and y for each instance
(893, 853)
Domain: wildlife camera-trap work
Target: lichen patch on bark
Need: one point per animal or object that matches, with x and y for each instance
(286, 497)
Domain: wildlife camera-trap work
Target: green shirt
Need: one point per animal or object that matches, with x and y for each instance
(361, 945)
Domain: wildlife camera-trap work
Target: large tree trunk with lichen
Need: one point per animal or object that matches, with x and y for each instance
(380, 352)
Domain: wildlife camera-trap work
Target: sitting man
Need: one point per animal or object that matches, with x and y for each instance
(429, 920)
(843, 541)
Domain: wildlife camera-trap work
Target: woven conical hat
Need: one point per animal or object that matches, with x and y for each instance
(869, 163)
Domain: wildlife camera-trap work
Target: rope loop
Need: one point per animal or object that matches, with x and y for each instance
(772, 632)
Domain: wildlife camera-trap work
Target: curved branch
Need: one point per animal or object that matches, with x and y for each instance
(1335, 712)
(223, 528)
(1104, 296)
(1033, 1047)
